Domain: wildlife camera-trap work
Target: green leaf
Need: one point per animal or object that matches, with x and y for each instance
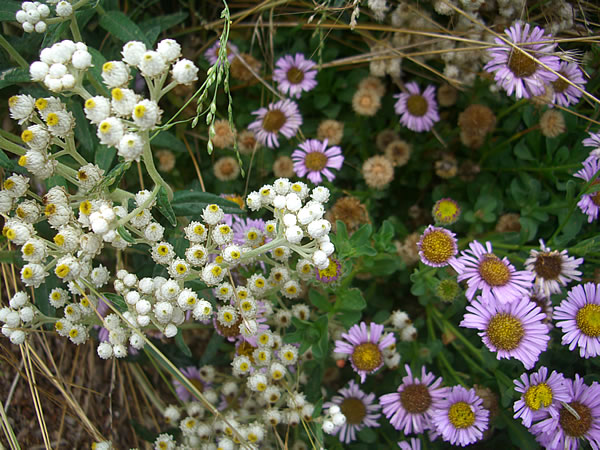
(104, 156)
(367, 435)
(181, 345)
(166, 139)
(212, 348)
(126, 235)
(111, 180)
(95, 72)
(349, 318)
(123, 28)
(9, 257)
(13, 76)
(319, 300)
(8, 10)
(54, 33)
(362, 235)
(164, 207)
(522, 152)
(83, 131)
(153, 27)
(582, 248)
(116, 300)
(10, 164)
(350, 300)
(192, 203)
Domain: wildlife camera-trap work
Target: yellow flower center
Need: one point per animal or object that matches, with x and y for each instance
(224, 229)
(139, 111)
(198, 254)
(537, 396)
(58, 326)
(62, 271)
(85, 208)
(41, 103)
(52, 119)
(438, 246)
(259, 283)
(493, 270)
(59, 240)
(367, 356)
(105, 127)
(27, 273)
(588, 320)
(117, 94)
(73, 333)
(461, 415)
(505, 331)
(13, 101)
(107, 66)
(50, 209)
(22, 161)
(28, 249)
(162, 250)
(199, 230)
(27, 136)
(216, 271)
(315, 161)
(9, 233)
(181, 268)
(90, 103)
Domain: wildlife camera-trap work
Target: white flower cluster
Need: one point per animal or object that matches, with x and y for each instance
(404, 326)
(334, 419)
(62, 65)
(17, 317)
(31, 16)
(300, 217)
(51, 123)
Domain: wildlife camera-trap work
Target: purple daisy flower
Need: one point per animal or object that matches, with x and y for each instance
(294, 74)
(461, 418)
(579, 420)
(315, 159)
(590, 203)
(212, 53)
(513, 330)
(542, 395)
(413, 444)
(359, 408)
(280, 117)
(497, 278)
(331, 273)
(593, 141)
(365, 346)
(193, 375)
(552, 269)
(249, 231)
(579, 317)
(410, 409)
(418, 112)
(564, 93)
(515, 71)
(437, 247)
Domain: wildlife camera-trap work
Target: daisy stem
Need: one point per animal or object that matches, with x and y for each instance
(450, 369)
(447, 326)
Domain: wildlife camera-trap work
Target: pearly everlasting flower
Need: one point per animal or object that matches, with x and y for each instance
(115, 73)
(184, 72)
(152, 64)
(123, 101)
(169, 49)
(132, 52)
(110, 131)
(130, 147)
(146, 114)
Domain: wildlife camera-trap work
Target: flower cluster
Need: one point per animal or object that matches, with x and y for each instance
(61, 66)
(17, 317)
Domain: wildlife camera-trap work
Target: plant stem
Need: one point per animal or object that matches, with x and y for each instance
(75, 29)
(14, 54)
(151, 168)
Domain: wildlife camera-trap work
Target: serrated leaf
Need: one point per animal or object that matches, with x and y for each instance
(181, 345)
(192, 203)
(164, 206)
(8, 10)
(126, 235)
(123, 28)
(13, 76)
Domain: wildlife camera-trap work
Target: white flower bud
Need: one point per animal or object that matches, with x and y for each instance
(338, 419)
(184, 71)
(333, 409)
(104, 350)
(143, 307)
(328, 427)
(64, 9)
(38, 70)
(294, 234)
(17, 337)
(170, 330)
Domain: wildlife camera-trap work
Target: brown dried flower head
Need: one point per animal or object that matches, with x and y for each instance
(378, 172)
(366, 102)
(384, 138)
(447, 95)
(283, 167)
(226, 168)
(238, 69)
(332, 130)
(166, 160)
(224, 135)
(398, 152)
(552, 123)
(475, 122)
(508, 222)
(350, 211)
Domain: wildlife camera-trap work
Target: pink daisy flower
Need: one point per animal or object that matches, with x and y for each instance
(418, 112)
(194, 375)
(437, 247)
(295, 74)
(212, 53)
(579, 317)
(552, 269)
(590, 203)
(413, 444)
(280, 117)
(565, 429)
(513, 330)
(593, 141)
(409, 410)
(461, 418)
(313, 159)
(541, 397)
(365, 346)
(517, 72)
(496, 278)
(564, 93)
(359, 408)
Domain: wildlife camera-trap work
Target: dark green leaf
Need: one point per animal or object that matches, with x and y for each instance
(181, 345)
(95, 72)
(192, 203)
(211, 349)
(582, 248)
(116, 173)
(9, 257)
(122, 27)
(116, 300)
(104, 156)
(367, 435)
(166, 139)
(54, 33)
(152, 33)
(164, 206)
(350, 300)
(319, 300)
(126, 235)
(362, 235)
(14, 75)
(10, 164)
(8, 10)
(83, 131)
(522, 152)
